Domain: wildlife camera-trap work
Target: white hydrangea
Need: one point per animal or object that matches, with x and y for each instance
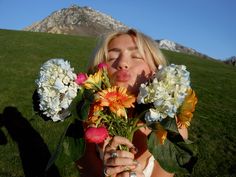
(166, 92)
(56, 88)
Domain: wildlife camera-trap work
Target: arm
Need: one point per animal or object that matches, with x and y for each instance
(183, 132)
(158, 171)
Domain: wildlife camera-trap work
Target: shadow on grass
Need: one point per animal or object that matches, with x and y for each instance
(34, 153)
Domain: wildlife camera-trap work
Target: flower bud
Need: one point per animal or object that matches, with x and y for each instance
(96, 135)
(81, 78)
(102, 66)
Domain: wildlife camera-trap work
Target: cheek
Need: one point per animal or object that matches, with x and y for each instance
(144, 74)
(110, 71)
(148, 70)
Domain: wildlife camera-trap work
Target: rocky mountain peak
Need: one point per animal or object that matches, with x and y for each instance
(173, 46)
(77, 20)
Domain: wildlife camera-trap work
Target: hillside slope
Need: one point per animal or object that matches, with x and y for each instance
(25, 138)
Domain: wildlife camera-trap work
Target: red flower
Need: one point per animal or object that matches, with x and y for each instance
(96, 135)
(102, 65)
(81, 78)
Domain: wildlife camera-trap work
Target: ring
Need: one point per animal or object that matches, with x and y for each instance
(132, 174)
(104, 172)
(114, 155)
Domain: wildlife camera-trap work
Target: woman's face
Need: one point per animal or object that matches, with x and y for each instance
(126, 66)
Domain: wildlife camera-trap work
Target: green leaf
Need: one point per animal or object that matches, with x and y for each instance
(70, 147)
(176, 155)
(57, 151)
(83, 109)
(83, 106)
(170, 124)
(74, 145)
(75, 104)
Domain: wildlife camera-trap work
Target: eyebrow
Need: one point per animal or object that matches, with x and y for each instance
(118, 50)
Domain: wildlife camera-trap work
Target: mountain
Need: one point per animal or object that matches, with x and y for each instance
(77, 20)
(85, 21)
(175, 47)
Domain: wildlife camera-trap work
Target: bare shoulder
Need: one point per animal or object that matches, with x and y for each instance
(158, 171)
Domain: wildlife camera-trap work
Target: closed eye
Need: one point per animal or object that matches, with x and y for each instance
(111, 59)
(137, 56)
(113, 55)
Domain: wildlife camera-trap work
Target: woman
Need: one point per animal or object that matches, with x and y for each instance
(132, 58)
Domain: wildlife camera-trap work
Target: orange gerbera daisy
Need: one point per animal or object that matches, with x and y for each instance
(116, 99)
(185, 115)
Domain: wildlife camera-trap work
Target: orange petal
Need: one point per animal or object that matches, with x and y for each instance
(161, 133)
(185, 115)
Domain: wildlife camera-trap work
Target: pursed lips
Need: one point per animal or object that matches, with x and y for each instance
(122, 76)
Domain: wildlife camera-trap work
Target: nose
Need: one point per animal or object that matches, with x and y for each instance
(123, 62)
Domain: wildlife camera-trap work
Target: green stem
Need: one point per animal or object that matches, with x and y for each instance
(136, 128)
(107, 82)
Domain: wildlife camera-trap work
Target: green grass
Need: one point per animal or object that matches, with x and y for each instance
(21, 55)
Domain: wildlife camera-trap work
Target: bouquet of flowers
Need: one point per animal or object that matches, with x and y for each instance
(106, 107)
(171, 105)
(167, 100)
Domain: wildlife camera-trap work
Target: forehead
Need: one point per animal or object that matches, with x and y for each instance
(123, 41)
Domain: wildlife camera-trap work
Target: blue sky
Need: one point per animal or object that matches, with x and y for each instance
(208, 26)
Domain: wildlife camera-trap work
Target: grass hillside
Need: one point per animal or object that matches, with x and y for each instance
(26, 140)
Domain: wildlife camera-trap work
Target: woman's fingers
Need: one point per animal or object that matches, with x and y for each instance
(130, 174)
(119, 161)
(136, 172)
(109, 171)
(118, 154)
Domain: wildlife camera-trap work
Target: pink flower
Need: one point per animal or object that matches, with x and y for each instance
(102, 65)
(96, 135)
(81, 78)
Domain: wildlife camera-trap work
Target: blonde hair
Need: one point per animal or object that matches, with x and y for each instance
(145, 44)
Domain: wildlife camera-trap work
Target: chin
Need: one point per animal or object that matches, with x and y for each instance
(130, 88)
(123, 84)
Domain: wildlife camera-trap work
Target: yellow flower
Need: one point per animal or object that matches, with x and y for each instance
(94, 81)
(161, 133)
(116, 99)
(185, 115)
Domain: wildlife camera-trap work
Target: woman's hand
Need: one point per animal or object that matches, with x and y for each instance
(118, 163)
